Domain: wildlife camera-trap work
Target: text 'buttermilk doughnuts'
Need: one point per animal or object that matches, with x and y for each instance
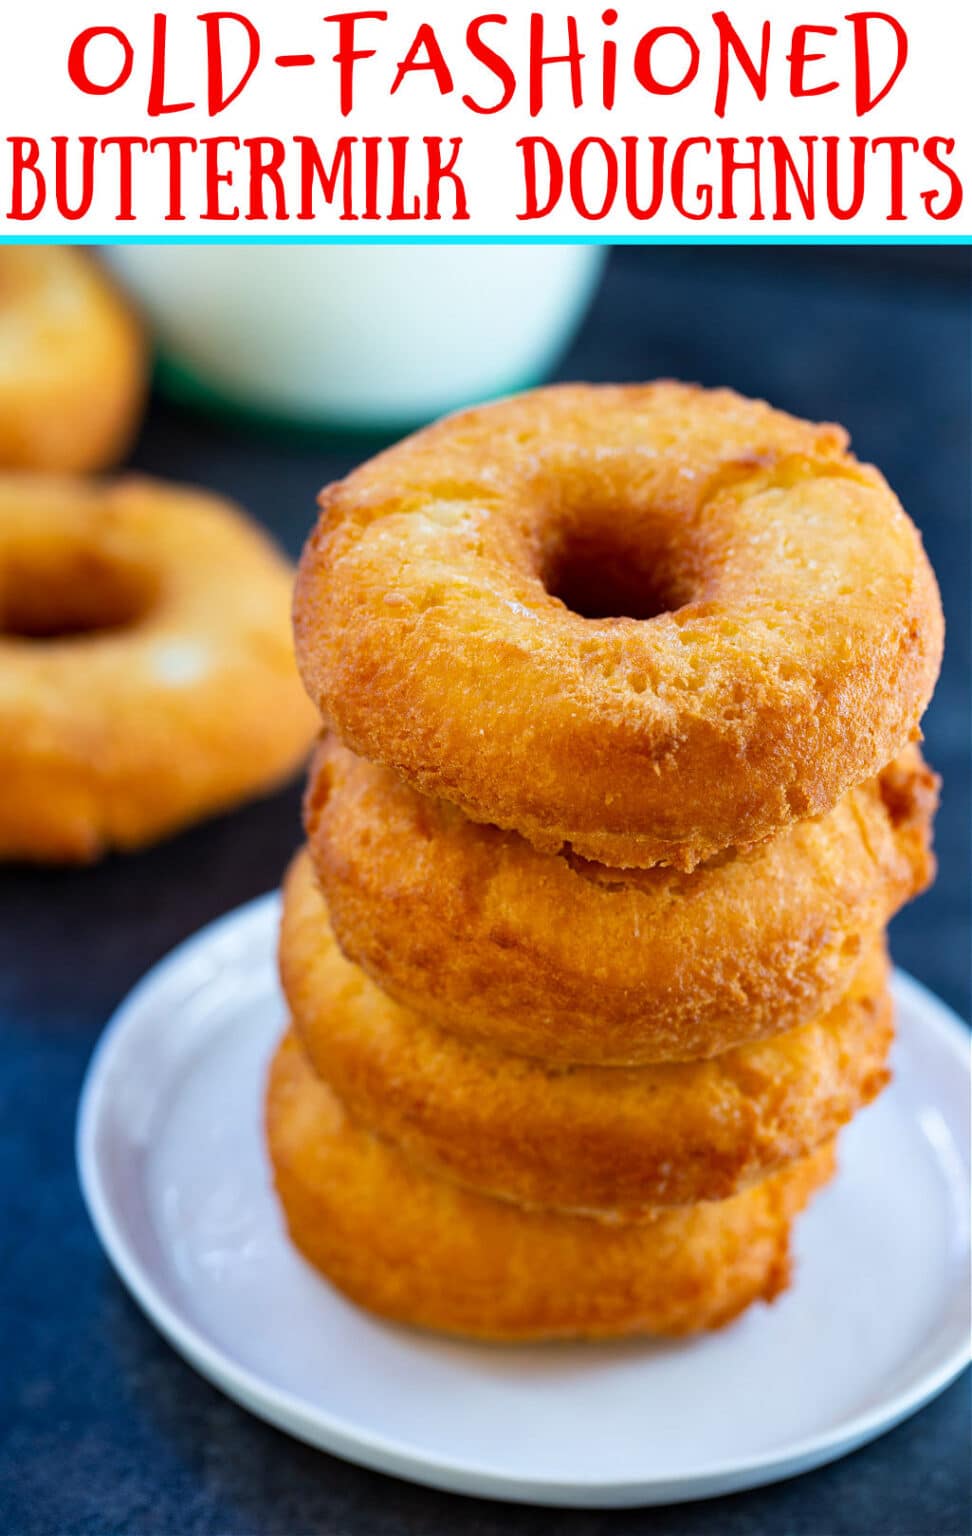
(648, 622)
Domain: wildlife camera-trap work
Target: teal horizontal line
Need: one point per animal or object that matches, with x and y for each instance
(686, 239)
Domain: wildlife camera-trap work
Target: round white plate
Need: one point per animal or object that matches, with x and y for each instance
(171, 1159)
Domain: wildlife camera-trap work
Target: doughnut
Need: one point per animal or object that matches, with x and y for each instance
(73, 362)
(558, 958)
(423, 1251)
(146, 668)
(643, 623)
(587, 1138)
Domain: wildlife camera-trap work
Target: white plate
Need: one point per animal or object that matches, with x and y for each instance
(171, 1159)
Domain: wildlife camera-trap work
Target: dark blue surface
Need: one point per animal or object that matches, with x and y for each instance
(102, 1427)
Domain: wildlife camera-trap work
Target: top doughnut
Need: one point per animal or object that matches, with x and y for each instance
(647, 622)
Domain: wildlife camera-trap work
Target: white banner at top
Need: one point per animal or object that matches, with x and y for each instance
(642, 118)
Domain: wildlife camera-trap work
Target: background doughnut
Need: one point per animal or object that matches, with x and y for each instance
(555, 957)
(584, 1137)
(646, 622)
(73, 362)
(146, 671)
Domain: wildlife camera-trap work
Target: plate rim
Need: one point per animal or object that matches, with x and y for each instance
(383, 1453)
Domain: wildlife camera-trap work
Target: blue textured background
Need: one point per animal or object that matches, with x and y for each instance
(102, 1427)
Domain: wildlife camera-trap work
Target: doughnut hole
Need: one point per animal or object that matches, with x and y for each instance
(50, 593)
(609, 571)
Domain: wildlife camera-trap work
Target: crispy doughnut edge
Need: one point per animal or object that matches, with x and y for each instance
(424, 1252)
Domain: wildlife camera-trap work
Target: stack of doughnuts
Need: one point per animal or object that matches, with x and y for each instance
(618, 789)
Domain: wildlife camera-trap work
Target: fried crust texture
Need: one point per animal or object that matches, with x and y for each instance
(621, 1139)
(559, 958)
(423, 1251)
(642, 623)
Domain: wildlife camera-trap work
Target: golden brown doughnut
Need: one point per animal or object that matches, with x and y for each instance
(73, 362)
(647, 623)
(424, 1251)
(584, 1138)
(146, 671)
(554, 957)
